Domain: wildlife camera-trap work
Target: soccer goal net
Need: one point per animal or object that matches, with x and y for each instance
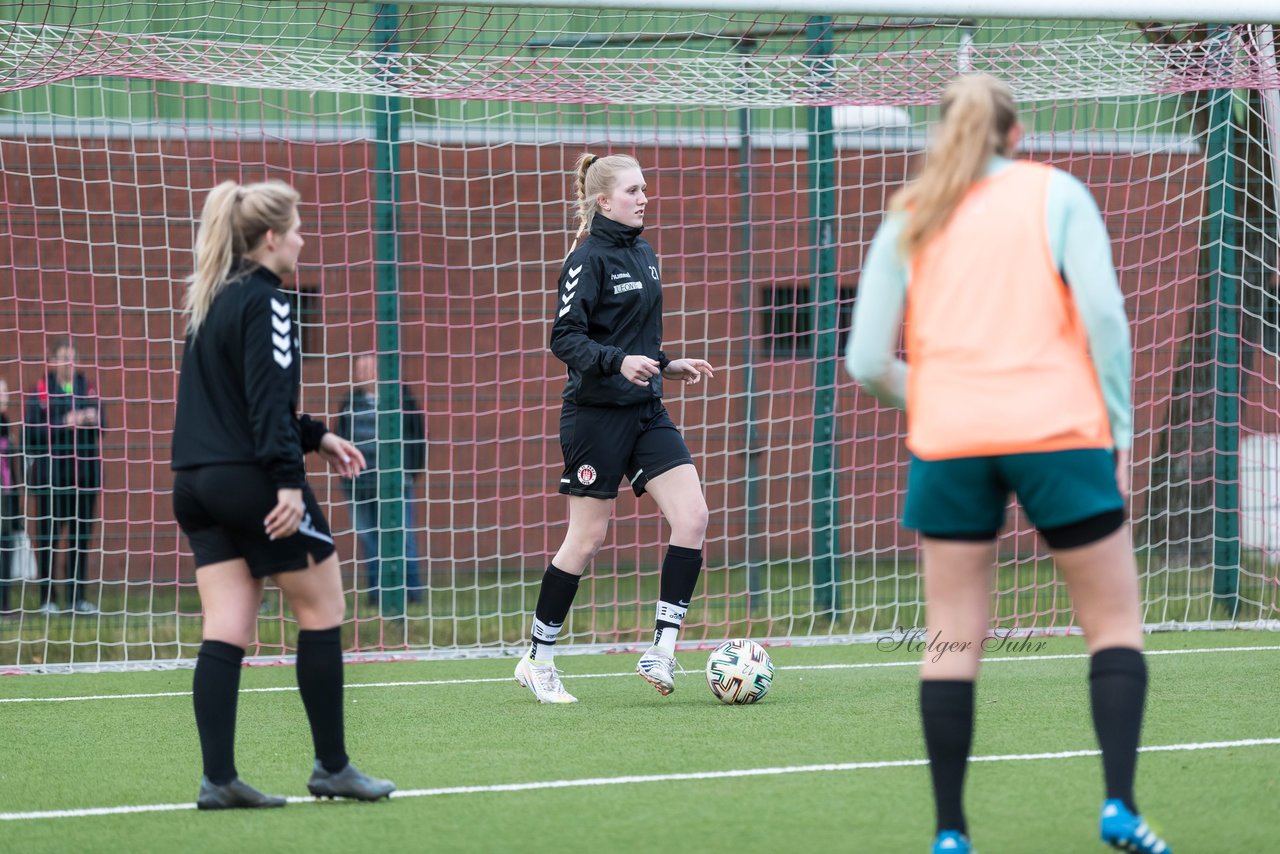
(432, 146)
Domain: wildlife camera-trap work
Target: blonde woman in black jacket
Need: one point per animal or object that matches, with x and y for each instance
(240, 492)
(607, 329)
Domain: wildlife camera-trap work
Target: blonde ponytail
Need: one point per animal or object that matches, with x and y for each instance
(232, 224)
(978, 112)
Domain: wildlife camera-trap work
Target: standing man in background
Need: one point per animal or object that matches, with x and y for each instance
(63, 442)
(358, 423)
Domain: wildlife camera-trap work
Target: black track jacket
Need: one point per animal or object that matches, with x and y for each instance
(63, 456)
(239, 384)
(608, 306)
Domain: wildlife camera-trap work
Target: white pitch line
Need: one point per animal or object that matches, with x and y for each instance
(592, 782)
(502, 679)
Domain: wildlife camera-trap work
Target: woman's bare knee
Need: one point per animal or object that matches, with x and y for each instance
(576, 553)
(235, 625)
(688, 536)
(315, 594)
(315, 619)
(678, 493)
(1102, 578)
(690, 525)
(229, 631)
(229, 599)
(588, 527)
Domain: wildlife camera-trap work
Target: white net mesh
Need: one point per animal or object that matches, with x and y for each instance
(432, 148)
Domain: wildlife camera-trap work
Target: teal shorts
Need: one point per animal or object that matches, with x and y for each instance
(966, 497)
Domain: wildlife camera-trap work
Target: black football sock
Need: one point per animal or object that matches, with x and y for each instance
(555, 598)
(214, 691)
(680, 570)
(319, 671)
(1117, 694)
(946, 708)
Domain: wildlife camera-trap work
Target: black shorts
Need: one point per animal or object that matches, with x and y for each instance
(221, 509)
(602, 445)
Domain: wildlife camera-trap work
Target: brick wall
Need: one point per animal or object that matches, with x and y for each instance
(95, 241)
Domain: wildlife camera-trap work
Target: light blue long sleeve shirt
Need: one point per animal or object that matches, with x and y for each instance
(1081, 251)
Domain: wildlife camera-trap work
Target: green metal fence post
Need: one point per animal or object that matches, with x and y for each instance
(822, 207)
(386, 191)
(751, 442)
(1221, 257)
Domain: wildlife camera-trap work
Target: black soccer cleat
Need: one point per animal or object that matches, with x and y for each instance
(350, 782)
(234, 795)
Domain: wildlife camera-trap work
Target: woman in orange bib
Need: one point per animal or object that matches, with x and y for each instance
(1016, 381)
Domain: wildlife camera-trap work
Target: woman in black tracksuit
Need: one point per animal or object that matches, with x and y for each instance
(240, 491)
(62, 438)
(607, 329)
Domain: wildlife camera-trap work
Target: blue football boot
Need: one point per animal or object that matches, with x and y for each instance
(1124, 831)
(952, 842)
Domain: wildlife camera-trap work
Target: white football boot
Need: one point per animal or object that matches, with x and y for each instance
(658, 669)
(543, 680)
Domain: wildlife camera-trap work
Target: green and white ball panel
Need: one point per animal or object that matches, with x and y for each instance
(739, 672)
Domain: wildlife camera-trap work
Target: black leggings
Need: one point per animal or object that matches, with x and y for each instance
(1073, 535)
(72, 509)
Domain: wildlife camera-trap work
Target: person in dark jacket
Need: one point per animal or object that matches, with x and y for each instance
(240, 491)
(10, 502)
(607, 329)
(62, 441)
(358, 422)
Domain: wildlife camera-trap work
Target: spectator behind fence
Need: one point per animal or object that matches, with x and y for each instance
(62, 444)
(10, 504)
(358, 422)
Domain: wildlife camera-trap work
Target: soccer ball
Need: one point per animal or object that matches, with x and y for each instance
(739, 672)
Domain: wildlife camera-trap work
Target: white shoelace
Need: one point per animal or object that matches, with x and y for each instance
(673, 664)
(548, 679)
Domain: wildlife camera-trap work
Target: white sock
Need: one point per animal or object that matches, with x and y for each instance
(664, 634)
(543, 642)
